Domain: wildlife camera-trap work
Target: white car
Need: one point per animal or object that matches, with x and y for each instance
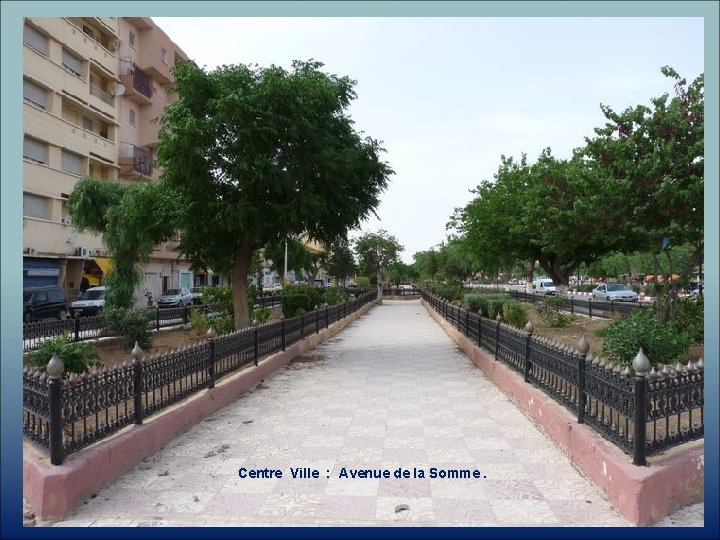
(90, 302)
(614, 292)
(175, 298)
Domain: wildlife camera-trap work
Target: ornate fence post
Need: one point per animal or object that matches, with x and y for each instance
(211, 334)
(302, 325)
(283, 333)
(137, 354)
(480, 314)
(317, 321)
(572, 305)
(255, 345)
(498, 318)
(55, 370)
(185, 314)
(528, 337)
(641, 365)
(157, 318)
(582, 348)
(77, 326)
(590, 307)
(467, 322)
(327, 319)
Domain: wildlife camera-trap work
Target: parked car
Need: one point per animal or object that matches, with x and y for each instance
(175, 298)
(614, 292)
(196, 293)
(44, 303)
(544, 286)
(90, 302)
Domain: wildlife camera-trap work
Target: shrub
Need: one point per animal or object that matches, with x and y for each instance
(261, 314)
(662, 343)
(78, 357)
(472, 301)
(218, 297)
(363, 282)
(199, 321)
(224, 324)
(584, 288)
(449, 292)
(492, 304)
(549, 311)
(516, 313)
(689, 318)
(300, 311)
(130, 325)
(291, 302)
(334, 295)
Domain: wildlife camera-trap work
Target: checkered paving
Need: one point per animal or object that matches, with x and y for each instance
(390, 391)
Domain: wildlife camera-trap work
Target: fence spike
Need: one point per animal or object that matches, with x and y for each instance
(700, 365)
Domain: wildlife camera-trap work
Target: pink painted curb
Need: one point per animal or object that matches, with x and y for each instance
(53, 490)
(643, 495)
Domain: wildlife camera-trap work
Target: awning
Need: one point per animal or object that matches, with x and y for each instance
(92, 280)
(105, 264)
(40, 268)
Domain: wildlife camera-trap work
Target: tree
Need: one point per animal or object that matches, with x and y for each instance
(258, 154)
(399, 272)
(656, 155)
(376, 252)
(340, 262)
(132, 219)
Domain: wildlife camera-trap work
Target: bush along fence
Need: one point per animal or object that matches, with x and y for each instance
(84, 328)
(65, 414)
(590, 307)
(642, 409)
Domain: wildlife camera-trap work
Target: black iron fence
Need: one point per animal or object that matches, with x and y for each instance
(66, 414)
(401, 291)
(585, 306)
(94, 327)
(642, 412)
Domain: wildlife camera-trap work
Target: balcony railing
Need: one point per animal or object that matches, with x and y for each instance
(97, 92)
(142, 82)
(142, 161)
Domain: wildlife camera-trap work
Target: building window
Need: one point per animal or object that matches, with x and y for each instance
(35, 206)
(87, 123)
(32, 93)
(163, 56)
(35, 150)
(71, 63)
(35, 39)
(71, 163)
(132, 117)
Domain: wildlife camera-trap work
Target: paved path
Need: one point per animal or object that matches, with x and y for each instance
(390, 391)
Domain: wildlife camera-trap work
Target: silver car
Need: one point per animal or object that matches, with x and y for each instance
(614, 292)
(175, 297)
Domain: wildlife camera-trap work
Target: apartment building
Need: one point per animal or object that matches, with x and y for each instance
(93, 87)
(71, 128)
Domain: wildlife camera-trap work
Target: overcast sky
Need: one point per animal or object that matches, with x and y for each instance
(449, 96)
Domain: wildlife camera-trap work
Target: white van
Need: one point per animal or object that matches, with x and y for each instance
(90, 302)
(544, 286)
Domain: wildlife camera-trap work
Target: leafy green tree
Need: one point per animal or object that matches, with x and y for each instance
(399, 272)
(377, 251)
(655, 156)
(340, 262)
(132, 219)
(259, 154)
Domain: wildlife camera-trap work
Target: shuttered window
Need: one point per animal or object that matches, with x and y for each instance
(72, 63)
(71, 163)
(35, 39)
(35, 206)
(35, 150)
(35, 94)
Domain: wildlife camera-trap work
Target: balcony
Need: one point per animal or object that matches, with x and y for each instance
(98, 93)
(138, 86)
(136, 161)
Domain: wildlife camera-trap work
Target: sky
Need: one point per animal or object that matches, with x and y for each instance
(447, 97)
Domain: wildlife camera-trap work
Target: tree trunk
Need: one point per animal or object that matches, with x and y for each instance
(239, 273)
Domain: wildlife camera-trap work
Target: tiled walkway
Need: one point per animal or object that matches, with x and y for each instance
(389, 392)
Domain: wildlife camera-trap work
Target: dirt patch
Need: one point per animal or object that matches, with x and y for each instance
(308, 359)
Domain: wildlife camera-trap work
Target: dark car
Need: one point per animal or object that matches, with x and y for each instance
(44, 303)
